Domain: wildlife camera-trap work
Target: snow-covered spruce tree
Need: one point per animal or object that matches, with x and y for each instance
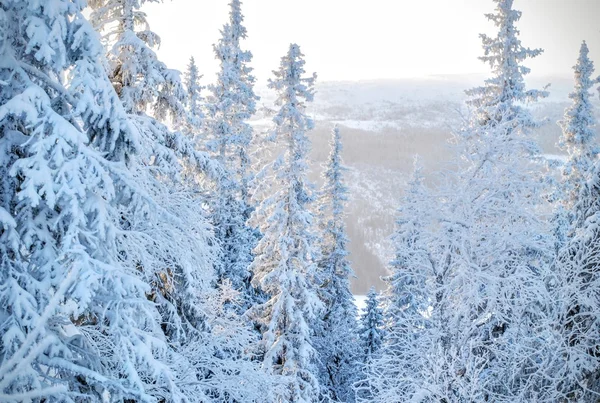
(371, 337)
(579, 134)
(285, 265)
(494, 249)
(194, 122)
(229, 106)
(76, 323)
(578, 274)
(150, 92)
(142, 81)
(371, 327)
(578, 378)
(403, 369)
(173, 246)
(336, 332)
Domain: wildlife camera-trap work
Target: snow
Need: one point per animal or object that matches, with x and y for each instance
(361, 302)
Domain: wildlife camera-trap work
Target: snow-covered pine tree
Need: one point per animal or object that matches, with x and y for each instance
(231, 103)
(371, 337)
(494, 248)
(285, 265)
(578, 378)
(76, 323)
(173, 245)
(142, 81)
(371, 327)
(150, 92)
(404, 368)
(579, 134)
(336, 332)
(194, 122)
(577, 270)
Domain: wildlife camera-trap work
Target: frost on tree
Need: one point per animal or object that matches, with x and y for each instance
(76, 324)
(174, 245)
(577, 262)
(579, 135)
(229, 106)
(194, 120)
(371, 330)
(141, 80)
(286, 256)
(371, 337)
(404, 364)
(578, 280)
(493, 251)
(151, 93)
(335, 333)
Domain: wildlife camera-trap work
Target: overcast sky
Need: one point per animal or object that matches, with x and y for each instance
(375, 39)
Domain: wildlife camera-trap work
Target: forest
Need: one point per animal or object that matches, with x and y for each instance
(155, 247)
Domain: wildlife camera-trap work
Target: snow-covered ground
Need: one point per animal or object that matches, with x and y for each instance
(360, 301)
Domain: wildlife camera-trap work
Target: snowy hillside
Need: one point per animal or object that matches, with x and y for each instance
(384, 124)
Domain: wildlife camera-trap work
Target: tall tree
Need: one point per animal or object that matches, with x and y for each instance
(371, 327)
(336, 332)
(578, 278)
(139, 77)
(230, 104)
(76, 323)
(577, 268)
(494, 250)
(194, 122)
(403, 366)
(173, 246)
(579, 134)
(371, 338)
(285, 265)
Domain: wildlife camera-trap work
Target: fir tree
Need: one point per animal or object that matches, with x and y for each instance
(371, 338)
(141, 80)
(579, 133)
(231, 103)
(578, 371)
(174, 246)
(76, 322)
(371, 327)
(497, 248)
(336, 332)
(286, 256)
(578, 275)
(403, 366)
(494, 251)
(193, 125)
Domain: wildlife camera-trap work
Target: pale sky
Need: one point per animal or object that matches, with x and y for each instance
(375, 39)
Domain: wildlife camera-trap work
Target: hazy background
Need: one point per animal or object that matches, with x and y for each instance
(391, 74)
(375, 39)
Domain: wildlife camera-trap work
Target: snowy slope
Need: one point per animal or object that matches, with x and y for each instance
(384, 124)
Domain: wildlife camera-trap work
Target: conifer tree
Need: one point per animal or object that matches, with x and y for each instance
(286, 256)
(193, 125)
(371, 327)
(577, 375)
(76, 322)
(403, 366)
(336, 333)
(173, 246)
(579, 133)
(230, 104)
(494, 250)
(151, 93)
(142, 81)
(371, 338)
(578, 274)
